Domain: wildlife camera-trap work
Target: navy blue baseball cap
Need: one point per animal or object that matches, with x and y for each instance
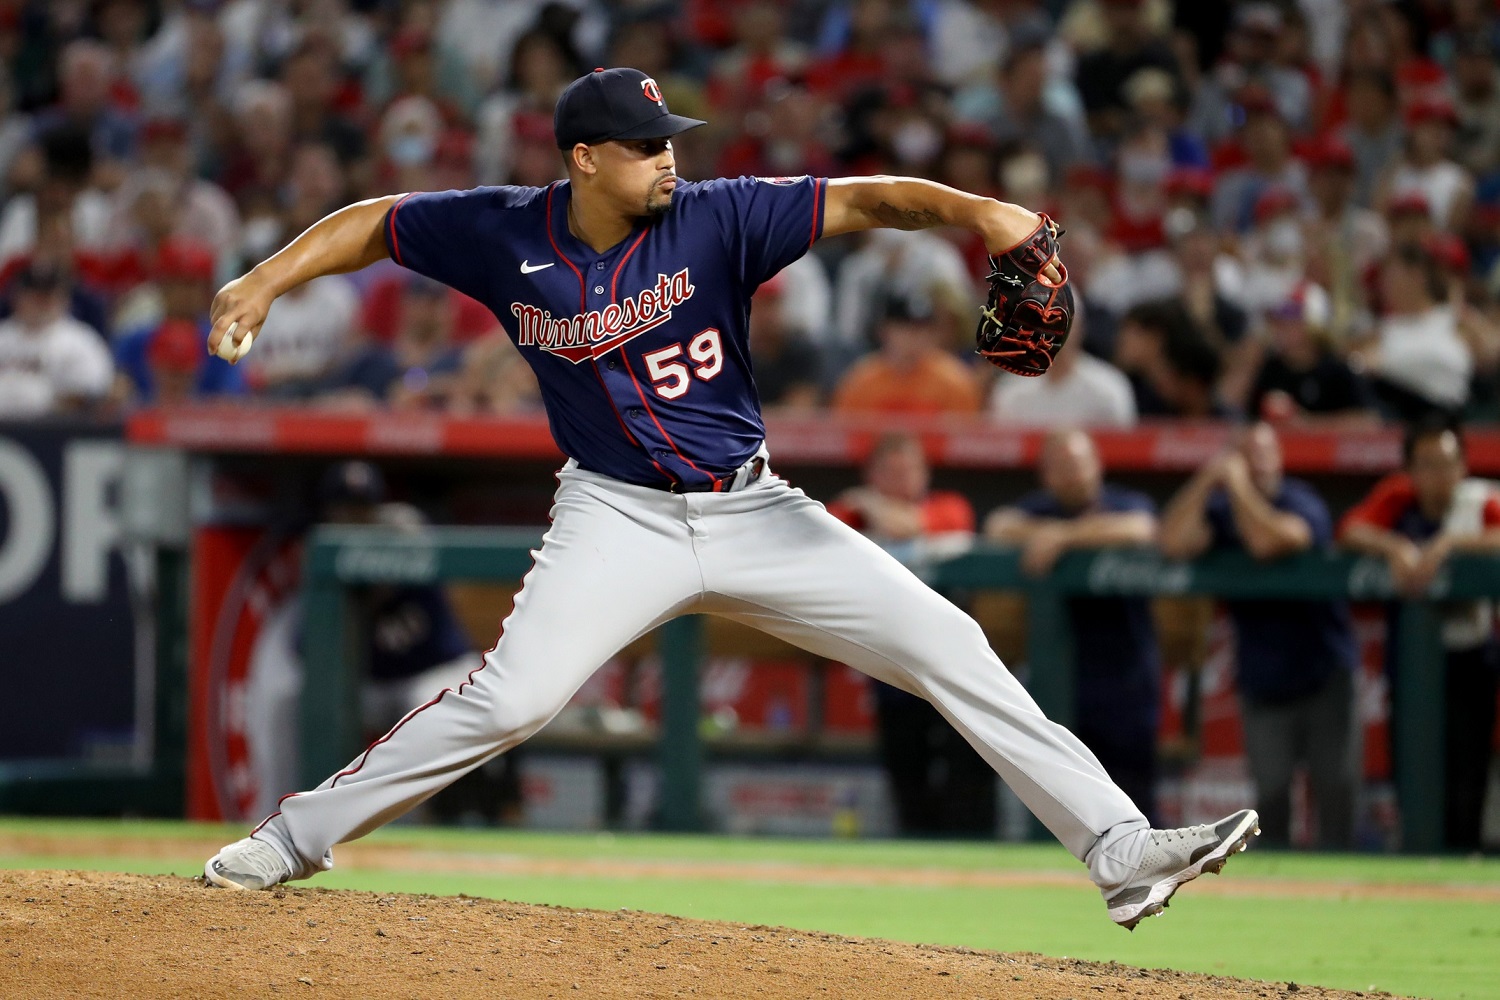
(614, 104)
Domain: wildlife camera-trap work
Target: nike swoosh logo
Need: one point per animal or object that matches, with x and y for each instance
(527, 268)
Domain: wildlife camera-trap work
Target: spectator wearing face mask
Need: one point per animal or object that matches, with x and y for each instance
(1273, 255)
(409, 135)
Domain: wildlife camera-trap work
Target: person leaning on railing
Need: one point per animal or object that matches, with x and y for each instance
(1114, 638)
(1415, 519)
(1294, 659)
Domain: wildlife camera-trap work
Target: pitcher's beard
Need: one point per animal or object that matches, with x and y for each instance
(658, 204)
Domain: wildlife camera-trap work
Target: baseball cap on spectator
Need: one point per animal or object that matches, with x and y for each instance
(1431, 108)
(1254, 99)
(184, 260)
(610, 104)
(1449, 250)
(455, 145)
(163, 130)
(351, 483)
(1191, 181)
(409, 41)
(528, 126)
(970, 135)
(1329, 153)
(1027, 36)
(1086, 175)
(177, 346)
(1408, 201)
(908, 309)
(1274, 201)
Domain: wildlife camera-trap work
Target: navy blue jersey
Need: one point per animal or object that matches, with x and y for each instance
(642, 351)
(1285, 650)
(413, 629)
(1114, 638)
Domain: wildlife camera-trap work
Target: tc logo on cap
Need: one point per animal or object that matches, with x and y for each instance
(652, 91)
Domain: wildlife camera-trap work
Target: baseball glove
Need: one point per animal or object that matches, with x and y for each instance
(1027, 319)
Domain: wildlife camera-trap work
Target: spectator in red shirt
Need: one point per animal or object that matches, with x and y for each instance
(1415, 519)
(939, 784)
(897, 508)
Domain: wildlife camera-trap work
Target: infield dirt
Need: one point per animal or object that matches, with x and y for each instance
(91, 934)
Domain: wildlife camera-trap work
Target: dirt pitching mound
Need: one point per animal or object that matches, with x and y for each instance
(91, 934)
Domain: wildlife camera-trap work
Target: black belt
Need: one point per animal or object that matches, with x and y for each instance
(736, 480)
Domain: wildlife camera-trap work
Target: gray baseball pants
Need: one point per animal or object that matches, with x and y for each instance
(619, 560)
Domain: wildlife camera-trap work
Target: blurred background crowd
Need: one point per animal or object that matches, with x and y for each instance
(1282, 210)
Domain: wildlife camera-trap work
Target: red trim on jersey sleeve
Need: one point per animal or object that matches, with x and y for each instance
(390, 222)
(943, 511)
(1383, 507)
(820, 191)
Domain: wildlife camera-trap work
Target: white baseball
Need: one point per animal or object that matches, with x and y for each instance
(229, 350)
(245, 342)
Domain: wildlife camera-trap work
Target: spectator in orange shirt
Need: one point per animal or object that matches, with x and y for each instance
(939, 785)
(1415, 519)
(910, 373)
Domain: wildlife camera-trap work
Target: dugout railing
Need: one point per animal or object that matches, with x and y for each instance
(340, 558)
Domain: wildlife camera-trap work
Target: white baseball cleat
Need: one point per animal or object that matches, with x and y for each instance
(246, 864)
(1174, 858)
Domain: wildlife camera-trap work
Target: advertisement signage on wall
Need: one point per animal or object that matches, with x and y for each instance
(68, 634)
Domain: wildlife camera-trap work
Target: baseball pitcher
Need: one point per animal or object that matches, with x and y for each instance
(628, 289)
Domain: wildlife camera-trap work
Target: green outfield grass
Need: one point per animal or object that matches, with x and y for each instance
(1356, 922)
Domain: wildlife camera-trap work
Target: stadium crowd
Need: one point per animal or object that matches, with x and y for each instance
(1275, 212)
(1287, 210)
